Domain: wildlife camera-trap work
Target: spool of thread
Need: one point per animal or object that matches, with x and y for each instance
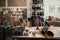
(49, 34)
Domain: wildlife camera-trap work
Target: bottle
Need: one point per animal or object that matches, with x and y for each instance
(44, 30)
(37, 26)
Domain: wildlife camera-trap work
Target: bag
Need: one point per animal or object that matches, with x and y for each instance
(19, 31)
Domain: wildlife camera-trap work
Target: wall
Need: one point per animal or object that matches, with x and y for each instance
(47, 4)
(28, 7)
(17, 3)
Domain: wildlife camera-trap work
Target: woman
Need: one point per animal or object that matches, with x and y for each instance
(35, 19)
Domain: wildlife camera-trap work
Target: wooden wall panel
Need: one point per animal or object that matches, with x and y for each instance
(2, 3)
(16, 2)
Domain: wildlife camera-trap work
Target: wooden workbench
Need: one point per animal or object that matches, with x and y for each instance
(38, 37)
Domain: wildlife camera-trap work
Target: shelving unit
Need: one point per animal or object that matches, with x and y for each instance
(38, 4)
